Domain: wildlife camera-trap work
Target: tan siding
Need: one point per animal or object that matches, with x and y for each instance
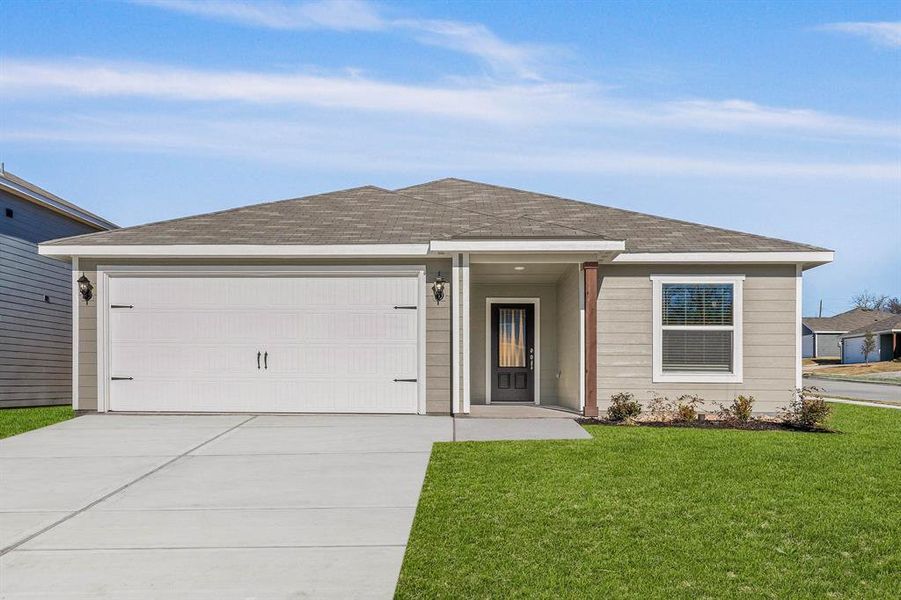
(438, 324)
(625, 336)
(568, 338)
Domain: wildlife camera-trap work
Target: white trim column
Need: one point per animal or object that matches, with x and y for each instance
(75, 308)
(465, 329)
(456, 295)
(799, 285)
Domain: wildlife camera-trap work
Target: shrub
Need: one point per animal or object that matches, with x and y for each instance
(685, 409)
(623, 407)
(807, 409)
(658, 406)
(740, 411)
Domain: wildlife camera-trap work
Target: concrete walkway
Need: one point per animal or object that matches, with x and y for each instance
(221, 506)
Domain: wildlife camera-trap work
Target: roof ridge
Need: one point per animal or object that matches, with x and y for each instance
(614, 208)
(492, 215)
(218, 212)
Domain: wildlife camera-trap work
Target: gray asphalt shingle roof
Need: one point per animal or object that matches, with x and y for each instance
(440, 210)
(846, 321)
(892, 322)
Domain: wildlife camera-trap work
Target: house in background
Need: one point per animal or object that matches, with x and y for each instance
(432, 299)
(888, 341)
(36, 293)
(821, 336)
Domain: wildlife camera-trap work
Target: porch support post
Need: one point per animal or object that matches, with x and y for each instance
(590, 274)
(465, 327)
(456, 304)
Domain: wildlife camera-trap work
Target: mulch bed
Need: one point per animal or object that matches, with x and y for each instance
(710, 424)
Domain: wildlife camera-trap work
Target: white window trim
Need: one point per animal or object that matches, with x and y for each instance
(736, 376)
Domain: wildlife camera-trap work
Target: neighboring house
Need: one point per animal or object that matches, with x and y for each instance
(329, 304)
(888, 341)
(36, 293)
(821, 336)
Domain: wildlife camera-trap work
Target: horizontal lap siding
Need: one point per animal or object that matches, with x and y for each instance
(568, 339)
(35, 333)
(625, 335)
(438, 325)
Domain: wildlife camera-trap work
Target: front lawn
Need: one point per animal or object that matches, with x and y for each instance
(18, 420)
(660, 513)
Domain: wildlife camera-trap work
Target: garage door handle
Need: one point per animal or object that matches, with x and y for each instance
(122, 378)
(265, 360)
(258, 360)
(407, 380)
(406, 307)
(121, 306)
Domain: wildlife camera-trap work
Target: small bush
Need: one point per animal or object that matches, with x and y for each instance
(685, 409)
(658, 406)
(740, 411)
(623, 407)
(807, 409)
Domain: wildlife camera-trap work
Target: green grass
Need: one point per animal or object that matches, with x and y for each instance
(665, 513)
(18, 420)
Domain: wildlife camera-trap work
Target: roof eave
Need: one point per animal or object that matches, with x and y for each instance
(67, 209)
(806, 258)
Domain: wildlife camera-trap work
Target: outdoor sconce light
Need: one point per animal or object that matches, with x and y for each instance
(85, 288)
(438, 288)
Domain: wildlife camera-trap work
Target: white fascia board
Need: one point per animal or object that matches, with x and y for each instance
(807, 258)
(56, 206)
(527, 246)
(237, 250)
(860, 335)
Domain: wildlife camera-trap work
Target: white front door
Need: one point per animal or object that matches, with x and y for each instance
(263, 344)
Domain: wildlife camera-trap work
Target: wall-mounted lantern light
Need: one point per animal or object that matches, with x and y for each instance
(85, 288)
(438, 288)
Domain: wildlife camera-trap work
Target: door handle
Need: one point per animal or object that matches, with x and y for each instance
(266, 360)
(258, 360)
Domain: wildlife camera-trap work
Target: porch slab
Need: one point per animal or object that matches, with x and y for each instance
(520, 411)
(469, 429)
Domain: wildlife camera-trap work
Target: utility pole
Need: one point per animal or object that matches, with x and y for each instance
(821, 307)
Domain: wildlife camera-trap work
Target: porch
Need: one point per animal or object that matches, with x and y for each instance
(523, 327)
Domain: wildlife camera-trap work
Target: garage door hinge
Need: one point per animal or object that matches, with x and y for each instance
(122, 378)
(407, 307)
(409, 380)
(121, 306)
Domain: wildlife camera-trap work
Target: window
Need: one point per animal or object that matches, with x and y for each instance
(697, 328)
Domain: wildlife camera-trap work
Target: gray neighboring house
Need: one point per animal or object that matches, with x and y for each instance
(888, 341)
(431, 299)
(822, 335)
(36, 293)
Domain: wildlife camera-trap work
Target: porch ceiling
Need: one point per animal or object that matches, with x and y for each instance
(507, 273)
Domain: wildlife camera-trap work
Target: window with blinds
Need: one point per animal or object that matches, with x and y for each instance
(697, 324)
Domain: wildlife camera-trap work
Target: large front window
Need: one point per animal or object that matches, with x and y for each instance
(697, 328)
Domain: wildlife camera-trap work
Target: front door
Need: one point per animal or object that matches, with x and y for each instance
(512, 353)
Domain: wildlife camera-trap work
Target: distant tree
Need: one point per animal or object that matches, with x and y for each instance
(893, 305)
(868, 346)
(868, 301)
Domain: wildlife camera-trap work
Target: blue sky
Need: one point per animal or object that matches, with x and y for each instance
(778, 118)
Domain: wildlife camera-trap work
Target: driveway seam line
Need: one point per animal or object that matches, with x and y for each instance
(90, 505)
(260, 547)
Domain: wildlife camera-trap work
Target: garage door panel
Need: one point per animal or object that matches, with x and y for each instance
(334, 344)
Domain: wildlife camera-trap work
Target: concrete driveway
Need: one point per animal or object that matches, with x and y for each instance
(212, 507)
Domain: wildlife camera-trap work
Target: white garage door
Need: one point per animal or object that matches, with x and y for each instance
(264, 344)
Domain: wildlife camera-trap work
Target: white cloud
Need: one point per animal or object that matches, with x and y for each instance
(528, 103)
(341, 15)
(366, 147)
(883, 33)
(473, 39)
